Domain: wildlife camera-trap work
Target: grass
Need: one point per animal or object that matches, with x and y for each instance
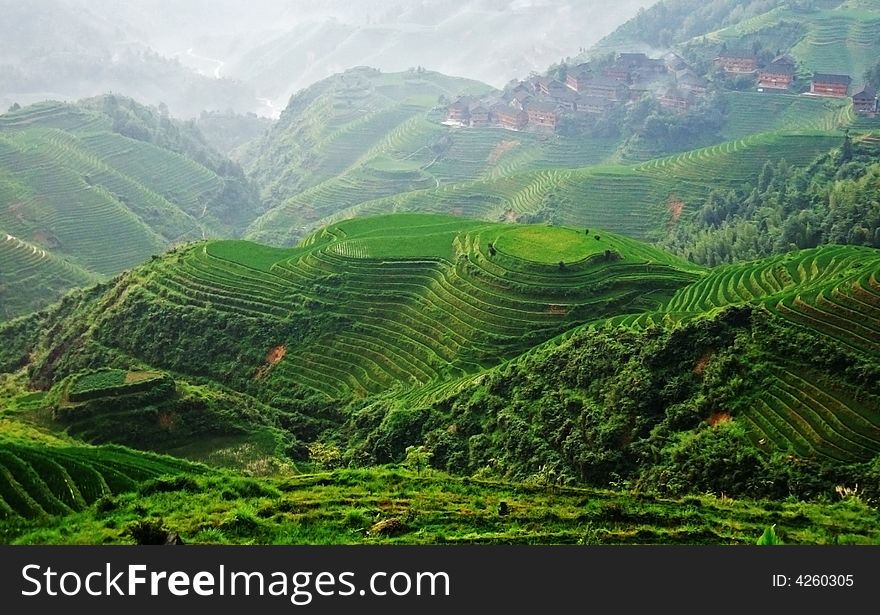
(551, 244)
(345, 507)
(839, 40)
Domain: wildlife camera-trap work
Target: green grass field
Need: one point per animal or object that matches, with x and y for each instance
(31, 276)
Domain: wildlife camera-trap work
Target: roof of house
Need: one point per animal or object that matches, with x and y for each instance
(479, 109)
(835, 79)
(784, 59)
(867, 93)
(632, 58)
(459, 105)
(604, 82)
(580, 72)
(779, 68)
(738, 54)
(502, 109)
(675, 94)
(542, 106)
(691, 78)
(675, 61)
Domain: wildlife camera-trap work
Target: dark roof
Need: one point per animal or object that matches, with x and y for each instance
(479, 109)
(604, 82)
(505, 109)
(738, 54)
(542, 107)
(784, 59)
(836, 79)
(632, 58)
(676, 94)
(675, 61)
(580, 72)
(779, 68)
(691, 77)
(867, 93)
(459, 104)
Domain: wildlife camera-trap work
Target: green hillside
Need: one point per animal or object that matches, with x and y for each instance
(753, 112)
(841, 38)
(832, 292)
(636, 200)
(544, 355)
(365, 135)
(37, 481)
(31, 277)
(95, 202)
(378, 303)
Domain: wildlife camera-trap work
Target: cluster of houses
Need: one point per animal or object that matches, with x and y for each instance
(780, 75)
(539, 103)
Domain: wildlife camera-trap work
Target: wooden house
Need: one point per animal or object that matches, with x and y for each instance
(606, 88)
(737, 61)
(778, 75)
(507, 117)
(830, 85)
(865, 101)
(543, 116)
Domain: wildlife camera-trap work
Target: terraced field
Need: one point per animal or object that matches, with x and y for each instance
(420, 156)
(93, 201)
(811, 417)
(30, 275)
(631, 200)
(833, 292)
(420, 299)
(840, 40)
(753, 112)
(39, 481)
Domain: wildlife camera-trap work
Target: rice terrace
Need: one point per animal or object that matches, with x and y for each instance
(625, 297)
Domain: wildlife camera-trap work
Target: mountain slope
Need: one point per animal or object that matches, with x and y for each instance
(73, 186)
(636, 200)
(370, 305)
(31, 277)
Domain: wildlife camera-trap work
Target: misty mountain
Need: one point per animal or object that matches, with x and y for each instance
(202, 55)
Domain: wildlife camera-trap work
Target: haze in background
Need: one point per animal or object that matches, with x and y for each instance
(199, 55)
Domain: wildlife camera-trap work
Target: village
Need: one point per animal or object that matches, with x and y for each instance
(540, 103)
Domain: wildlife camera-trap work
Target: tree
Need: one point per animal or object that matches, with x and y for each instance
(417, 458)
(846, 151)
(14, 107)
